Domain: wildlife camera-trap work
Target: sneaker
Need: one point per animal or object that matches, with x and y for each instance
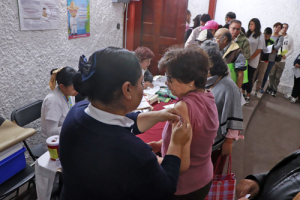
(261, 91)
(269, 91)
(293, 100)
(247, 99)
(259, 95)
(273, 94)
(288, 96)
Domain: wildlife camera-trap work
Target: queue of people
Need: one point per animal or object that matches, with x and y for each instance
(256, 66)
(208, 75)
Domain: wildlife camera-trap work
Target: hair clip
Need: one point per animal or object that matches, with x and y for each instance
(86, 68)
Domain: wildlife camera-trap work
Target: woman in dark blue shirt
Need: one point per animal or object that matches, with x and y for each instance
(100, 155)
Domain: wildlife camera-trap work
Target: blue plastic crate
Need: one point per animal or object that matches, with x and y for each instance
(12, 165)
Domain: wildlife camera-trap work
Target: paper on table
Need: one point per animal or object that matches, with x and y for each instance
(268, 49)
(144, 104)
(155, 78)
(296, 72)
(159, 81)
(151, 91)
(169, 106)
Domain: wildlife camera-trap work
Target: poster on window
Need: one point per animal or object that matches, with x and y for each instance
(38, 14)
(78, 18)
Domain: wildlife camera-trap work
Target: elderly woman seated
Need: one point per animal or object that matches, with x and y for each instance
(228, 101)
(145, 55)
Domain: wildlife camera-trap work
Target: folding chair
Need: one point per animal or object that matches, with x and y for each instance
(11, 134)
(25, 115)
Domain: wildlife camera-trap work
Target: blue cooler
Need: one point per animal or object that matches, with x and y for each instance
(12, 165)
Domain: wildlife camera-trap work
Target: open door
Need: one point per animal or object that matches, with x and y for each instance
(157, 25)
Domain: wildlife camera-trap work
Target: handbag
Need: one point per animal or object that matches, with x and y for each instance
(223, 186)
(278, 57)
(233, 73)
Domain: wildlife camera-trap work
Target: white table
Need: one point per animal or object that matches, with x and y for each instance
(45, 170)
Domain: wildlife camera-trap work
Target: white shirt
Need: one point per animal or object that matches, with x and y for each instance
(256, 43)
(192, 38)
(73, 21)
(108, 118)
(287, 47)
(53, 113)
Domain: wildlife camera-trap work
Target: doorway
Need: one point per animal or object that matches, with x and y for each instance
(156, 24)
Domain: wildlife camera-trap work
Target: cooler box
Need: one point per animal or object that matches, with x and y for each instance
(12, 165)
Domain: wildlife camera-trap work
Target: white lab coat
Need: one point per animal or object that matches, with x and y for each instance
(53, 113)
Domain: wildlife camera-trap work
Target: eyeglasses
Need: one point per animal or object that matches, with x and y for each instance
(169, 78)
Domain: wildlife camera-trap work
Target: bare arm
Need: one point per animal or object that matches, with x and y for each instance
(147, 120)
(182, 111)
(255, 54)
(240, 79)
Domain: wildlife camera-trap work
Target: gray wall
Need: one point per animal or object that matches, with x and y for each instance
(27, 57)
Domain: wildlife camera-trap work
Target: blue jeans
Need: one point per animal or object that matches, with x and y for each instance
(270, 65)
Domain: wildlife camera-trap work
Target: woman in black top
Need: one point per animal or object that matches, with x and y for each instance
(100, 155)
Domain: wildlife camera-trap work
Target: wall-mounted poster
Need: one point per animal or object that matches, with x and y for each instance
(78, 18)
(38, 14)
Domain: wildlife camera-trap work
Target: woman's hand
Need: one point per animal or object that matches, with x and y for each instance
(247, 186)
(147, 84)
(168, 114)
(227, 147)
(181, 133)
(156, 146)
(297, 65)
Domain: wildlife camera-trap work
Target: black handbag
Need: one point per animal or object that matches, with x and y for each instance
(278, 58)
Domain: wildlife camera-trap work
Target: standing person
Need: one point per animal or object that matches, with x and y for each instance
(228, 102)
(296, 87)
(278, 41)
(145, 55)
(100, 155)
(286, 51)
(263, 63)
(188, 20)
(239, 37)
(57, 103)
(186, 71)
(232, 54)
(257, 43)
(192, 39)
(188, 32)
(229, 16)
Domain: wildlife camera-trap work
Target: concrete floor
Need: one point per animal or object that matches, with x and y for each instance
(271, 129)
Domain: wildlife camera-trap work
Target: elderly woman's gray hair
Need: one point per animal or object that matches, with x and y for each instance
(219, 66)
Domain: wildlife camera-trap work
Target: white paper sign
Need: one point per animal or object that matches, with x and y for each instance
(38, 14)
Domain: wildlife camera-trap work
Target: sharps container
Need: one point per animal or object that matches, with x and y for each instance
(53, 143)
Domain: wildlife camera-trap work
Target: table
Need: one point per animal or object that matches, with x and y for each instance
(45, 170)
